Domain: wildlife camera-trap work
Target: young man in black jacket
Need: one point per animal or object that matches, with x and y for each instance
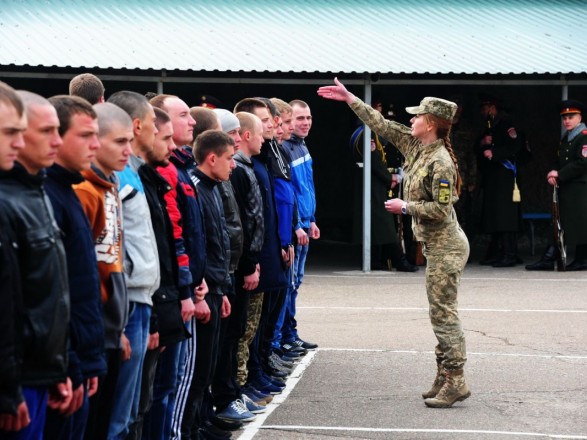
(79, 132)
(33, 367)
(14, 414)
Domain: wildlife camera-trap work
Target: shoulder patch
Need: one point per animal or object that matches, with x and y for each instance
(584, 131)
(584, 151)
(443, 191)
(512, 133)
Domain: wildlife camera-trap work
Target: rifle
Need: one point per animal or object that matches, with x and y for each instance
(559, 233)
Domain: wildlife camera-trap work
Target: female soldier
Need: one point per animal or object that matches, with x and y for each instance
(431, 186)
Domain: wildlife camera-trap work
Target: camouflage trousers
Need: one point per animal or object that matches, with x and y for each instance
(446, 259)
(253, 316)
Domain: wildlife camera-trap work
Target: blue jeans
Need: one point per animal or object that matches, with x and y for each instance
(128, 388)
(289, 329)
(277, 332)
(36, 401)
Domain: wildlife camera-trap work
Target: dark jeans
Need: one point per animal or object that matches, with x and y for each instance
(225, 388)
(274, 308)
(101, 402)
(71, 427)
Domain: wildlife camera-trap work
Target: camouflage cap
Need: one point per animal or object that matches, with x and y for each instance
(435, 106)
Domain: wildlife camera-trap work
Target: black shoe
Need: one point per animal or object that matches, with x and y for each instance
(208, 429)
(290, 356)
(402, 265)
(506, 262)
(205, 434)
(576, 266)
(489, 261)
(541, 265)
(290, 347)
(275, 372)
(305, 344)
(225, 425)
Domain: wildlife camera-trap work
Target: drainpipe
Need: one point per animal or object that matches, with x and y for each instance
(367, 187)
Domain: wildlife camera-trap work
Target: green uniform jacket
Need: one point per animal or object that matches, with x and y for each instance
(572, 180)
(429, 176)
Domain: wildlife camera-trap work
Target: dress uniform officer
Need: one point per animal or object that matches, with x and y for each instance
(501, 215)
(431, 186)
(571, 177)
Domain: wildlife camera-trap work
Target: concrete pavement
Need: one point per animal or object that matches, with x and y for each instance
(527, 358)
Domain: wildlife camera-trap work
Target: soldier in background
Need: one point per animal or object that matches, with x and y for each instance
(570, 175)
(501, 217)
(386, 178)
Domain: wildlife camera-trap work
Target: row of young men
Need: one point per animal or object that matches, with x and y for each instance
(148, 337)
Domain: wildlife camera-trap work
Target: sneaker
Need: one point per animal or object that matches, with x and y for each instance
(305, 344)
(254, 397)
(251, 390)
(236, 410)
(252, 407)
(290, 347)
(281, 362)
(290, 356)
(277, 381)
(272, 364)
(266, 387)
(225, 425)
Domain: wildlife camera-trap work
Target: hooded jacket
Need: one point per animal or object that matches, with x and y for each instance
(101, 203)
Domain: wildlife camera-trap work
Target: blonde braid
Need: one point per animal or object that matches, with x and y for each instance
(443, 127)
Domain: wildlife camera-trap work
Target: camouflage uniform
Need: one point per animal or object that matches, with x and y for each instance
(430, 193)
(253, 317)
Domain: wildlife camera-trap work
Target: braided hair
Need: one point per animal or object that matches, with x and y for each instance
(443, 127)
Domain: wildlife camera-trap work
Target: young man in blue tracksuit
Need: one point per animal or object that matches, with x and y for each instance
(303, 180)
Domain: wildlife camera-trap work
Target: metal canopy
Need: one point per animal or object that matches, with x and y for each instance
(388, 36)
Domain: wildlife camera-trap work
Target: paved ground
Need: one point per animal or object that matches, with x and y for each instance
(527, 347)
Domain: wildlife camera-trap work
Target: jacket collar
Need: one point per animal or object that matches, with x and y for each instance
(19, 173)
(208, 181)
(63, 176)
(242, 158)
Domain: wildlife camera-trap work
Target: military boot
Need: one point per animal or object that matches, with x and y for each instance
(437, 384)
(455, 389)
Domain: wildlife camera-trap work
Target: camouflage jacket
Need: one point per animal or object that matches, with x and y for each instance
(429, 176)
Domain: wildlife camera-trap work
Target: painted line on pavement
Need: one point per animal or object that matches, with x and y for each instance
(429, 431)
(253, 427)
(381, 350)
(461, 309)
(415, 276)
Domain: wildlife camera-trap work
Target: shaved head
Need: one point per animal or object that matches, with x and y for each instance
(31, 100)
(110, 116)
